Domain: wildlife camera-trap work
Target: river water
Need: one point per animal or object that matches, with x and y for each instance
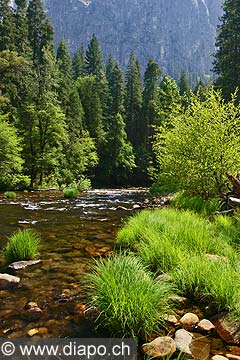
(72, 233)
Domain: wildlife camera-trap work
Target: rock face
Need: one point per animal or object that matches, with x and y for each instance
(180, 35)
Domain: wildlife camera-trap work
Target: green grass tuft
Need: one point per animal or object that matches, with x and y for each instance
(21, 246)
(70, 193)
(130, 302)
(10, 194)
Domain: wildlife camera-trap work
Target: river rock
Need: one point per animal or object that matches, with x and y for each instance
(22, 265)
(171, 319)
(183, 340)
(189, 321)
(164, 277)
(218, 357)
(205, 326)
(8, 281)
(32, 311)
(200, 347)
(160, 347)
(232, 357)
(234, 350)
(227, 329)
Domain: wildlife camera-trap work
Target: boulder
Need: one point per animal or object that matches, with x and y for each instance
(8, 281)
(22, 265)
(160, 347)
(227, 329)
(189, 321)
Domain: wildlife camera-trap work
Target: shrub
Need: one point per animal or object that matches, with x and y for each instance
(201, 145)
(21, 246)
(10, 195)
(158, 189)
(129, 301)
(70, 193)
(182, 200)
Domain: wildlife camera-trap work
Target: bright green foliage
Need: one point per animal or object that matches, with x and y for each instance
(201, 146)
(227, 62)
(10, 195)
(182, 200)
(129, 301)
(7, 26)
(116, 87)
(201, 257)
(70, 193)
(21, 246)
(78, 64)
(119, 159)
(169, 101)
(133, 102)
(10, 158)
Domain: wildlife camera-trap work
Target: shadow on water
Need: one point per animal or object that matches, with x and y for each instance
(70, 230)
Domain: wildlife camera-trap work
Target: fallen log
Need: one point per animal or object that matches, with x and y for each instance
(235, 181)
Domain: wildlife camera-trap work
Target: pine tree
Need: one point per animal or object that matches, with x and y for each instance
(133, 102)
(183, 83)
(116, 85)
(65, 75)
(21, 38)
(40, 31)
(94, 59)
(150, 100)
(78, 63)
(7, 26)
(227, 62)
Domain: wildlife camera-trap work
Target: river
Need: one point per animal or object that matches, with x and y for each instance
(72, 231)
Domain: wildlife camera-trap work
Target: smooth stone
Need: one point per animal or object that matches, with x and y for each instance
(227, 329)
(160, 347)
(205, 326)
(183, 340)
(7, 281)
(32, 311)
(189, 321)
(171, 319)
(32, 332)
(22, 265)
(232, 357)
(164, 277)
(218, 357)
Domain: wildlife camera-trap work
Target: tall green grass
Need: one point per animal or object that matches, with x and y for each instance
(130, 302)
(182, 200)
(10, 194)
(178, 242)
(21, 246)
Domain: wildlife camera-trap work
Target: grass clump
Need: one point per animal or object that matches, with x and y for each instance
(182, 200)
(130, 302)
(159, 189)
(10, 194)
(21, 246)
(70, 193)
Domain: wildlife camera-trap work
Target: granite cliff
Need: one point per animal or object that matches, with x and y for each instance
(179, 34)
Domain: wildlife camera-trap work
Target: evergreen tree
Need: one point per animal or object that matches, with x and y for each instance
(94, 59)
(183, 83)
(21, 37)
(40, 31)
(65, 80)
(78, 63)
(116, 85)
(7, 26)
(227, 62)
(133, 102)
(150, 100)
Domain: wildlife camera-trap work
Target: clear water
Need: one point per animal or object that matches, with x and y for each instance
(67, 228)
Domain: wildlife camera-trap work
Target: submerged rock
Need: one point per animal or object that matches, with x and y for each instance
(8, 281)
(22, 265)
(160, 347)
(183, 340)
(32, 311)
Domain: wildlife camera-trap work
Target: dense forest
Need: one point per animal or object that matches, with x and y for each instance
(70, 122)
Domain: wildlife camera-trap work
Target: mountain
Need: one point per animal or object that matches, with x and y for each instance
(178, 34)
